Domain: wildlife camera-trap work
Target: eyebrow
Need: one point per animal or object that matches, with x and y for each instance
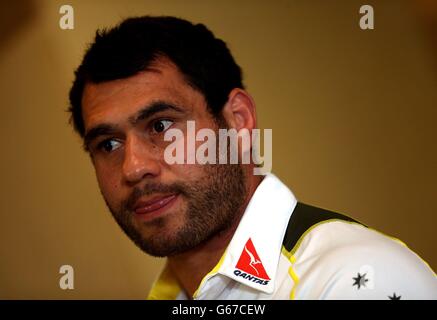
(152, 109)
(141, 115)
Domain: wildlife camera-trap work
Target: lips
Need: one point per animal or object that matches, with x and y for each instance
(153, 205)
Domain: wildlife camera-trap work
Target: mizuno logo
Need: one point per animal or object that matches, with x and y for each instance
(250, 267)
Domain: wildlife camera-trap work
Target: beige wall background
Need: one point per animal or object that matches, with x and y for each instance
(353, 115)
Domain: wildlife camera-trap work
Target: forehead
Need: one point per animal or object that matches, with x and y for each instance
(114, 101)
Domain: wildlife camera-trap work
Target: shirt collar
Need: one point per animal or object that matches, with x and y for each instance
(253, 254)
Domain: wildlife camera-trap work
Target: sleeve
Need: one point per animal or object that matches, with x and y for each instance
(377, 268)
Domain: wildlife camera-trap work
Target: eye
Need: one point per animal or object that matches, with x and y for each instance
(109, 145)
(161, 125)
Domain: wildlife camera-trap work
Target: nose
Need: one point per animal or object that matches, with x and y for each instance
(140, 160)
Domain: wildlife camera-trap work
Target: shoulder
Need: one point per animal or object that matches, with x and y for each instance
(342, 259)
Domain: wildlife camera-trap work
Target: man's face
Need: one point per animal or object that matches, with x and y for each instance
(165, 209)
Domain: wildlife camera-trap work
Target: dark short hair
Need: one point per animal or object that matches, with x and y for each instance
(123, 51)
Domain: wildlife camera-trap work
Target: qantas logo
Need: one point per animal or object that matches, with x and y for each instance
(250, 267)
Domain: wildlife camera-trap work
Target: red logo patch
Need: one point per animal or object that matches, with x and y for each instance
(250, 262)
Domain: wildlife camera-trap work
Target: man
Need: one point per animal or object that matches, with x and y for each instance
(227, 233)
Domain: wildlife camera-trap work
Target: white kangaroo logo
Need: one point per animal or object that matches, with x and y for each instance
(253, 261)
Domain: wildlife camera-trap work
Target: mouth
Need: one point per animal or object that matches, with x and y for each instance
(154, 207)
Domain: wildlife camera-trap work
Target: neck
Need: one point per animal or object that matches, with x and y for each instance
(192, 266)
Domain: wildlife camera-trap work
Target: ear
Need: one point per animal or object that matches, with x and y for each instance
(240, 114)
(240, 111)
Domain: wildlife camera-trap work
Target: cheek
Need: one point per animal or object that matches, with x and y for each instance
(108, 183)
(190, 170)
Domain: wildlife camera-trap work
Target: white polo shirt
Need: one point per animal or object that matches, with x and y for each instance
(283, 249)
